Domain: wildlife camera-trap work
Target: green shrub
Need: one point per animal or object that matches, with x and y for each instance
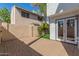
(43, 29)
(5, 15)
(46, 36)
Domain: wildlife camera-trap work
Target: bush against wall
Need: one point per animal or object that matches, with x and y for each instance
(43, 29)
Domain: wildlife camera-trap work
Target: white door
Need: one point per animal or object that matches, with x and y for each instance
(60, 31)
(71, 30)
(67, 30)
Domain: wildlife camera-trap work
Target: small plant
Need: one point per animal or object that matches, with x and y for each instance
(46, 36)
(43, 29)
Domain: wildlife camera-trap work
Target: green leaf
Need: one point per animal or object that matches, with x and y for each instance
(5, 15)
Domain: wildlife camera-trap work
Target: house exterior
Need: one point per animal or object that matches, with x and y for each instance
(22, 16)
(64, 22)
(23, 24)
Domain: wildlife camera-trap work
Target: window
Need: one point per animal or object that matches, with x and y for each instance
(23, 14)
(70, 23)
(60, 23)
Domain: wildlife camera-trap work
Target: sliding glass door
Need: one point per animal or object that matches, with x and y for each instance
(71, 30)
(60, 29)
(67, 30)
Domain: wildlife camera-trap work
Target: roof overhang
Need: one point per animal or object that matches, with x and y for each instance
(67, 13)
(26, 11)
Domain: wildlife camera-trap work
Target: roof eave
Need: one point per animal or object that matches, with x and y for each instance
(27, 11)
(74, 11)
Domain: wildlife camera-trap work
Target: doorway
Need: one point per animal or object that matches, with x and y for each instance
(67, 30)
(60, 29)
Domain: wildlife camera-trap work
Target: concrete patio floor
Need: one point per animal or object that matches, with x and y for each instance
(37, 47)
(55, 48)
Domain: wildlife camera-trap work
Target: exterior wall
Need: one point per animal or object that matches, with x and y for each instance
(13, 15)
(16, 18)
(52, 30)
(33, 17)
(58, 8)
(51, 8)
(12, 31)
(20, 27)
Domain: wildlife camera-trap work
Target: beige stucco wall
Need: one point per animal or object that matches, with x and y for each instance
(33, 16)
(16, 18)
(20, 27)
(12, 31)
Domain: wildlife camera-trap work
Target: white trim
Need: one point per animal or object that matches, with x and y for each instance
(65, 30)
(75, 30)
(52, 30)
(13, 15)
(57, 29)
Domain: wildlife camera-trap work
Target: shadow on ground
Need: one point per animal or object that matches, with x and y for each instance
(16, 47)
(71, 49)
